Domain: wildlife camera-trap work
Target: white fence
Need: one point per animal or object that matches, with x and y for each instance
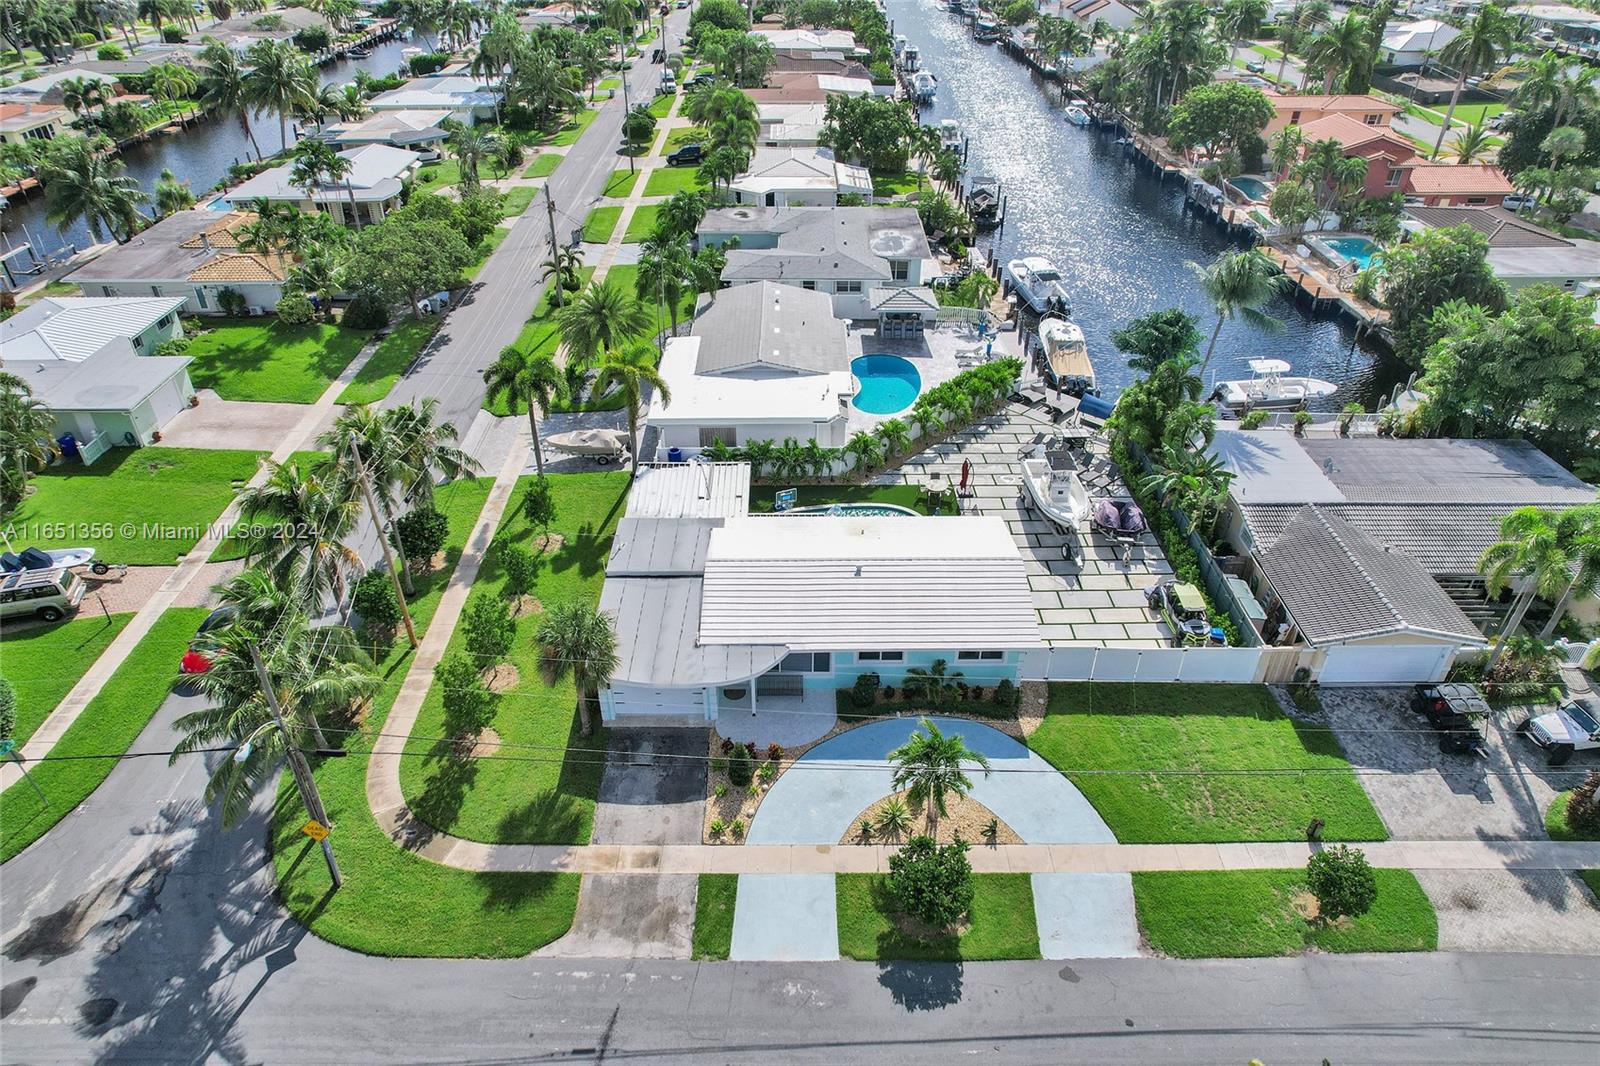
(1351, 665)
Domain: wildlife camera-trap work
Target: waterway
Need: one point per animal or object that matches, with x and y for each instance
(1120, 236)
(200, 153)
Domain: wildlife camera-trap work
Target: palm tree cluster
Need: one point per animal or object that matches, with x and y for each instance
(27, 442)
(1172, 46)
(1543, 554)
(729, 118)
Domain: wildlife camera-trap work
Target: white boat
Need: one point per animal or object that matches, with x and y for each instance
(923, 87)
(1050, 479)
(911, 57)
(1037, 283)
(601, 445)
(1066, 357)
(1077, 116)
(950, 134)
(1269, 388)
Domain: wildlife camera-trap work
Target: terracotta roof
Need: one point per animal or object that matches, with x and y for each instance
(1443, 179)
(1351, 133)
(1335, 102)
(243, 266)
(224, 234)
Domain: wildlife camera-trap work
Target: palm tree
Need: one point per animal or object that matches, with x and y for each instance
(575, 638)
(1238, 283)
(171, 82)
(664, 265)
(531, 378)
(929, 766)
(276, 81)
(603, 316)
(1579, 532)
(562, 270)
(864, 448)
(894, 434)
(82, 94)
(370, 433)
(760, 454)
(260, 601)
(1284, 151)
(470, 145)
(1484, 40)
(632, 369)
(1340, 48)
(27, 443)
(1240, 20)
(222, 86)
(427, 447)
(682, 213)
(84, 184)
(1531, 547)
(1561, 143)
(1471, 144)
(301, 519)
(172, 195)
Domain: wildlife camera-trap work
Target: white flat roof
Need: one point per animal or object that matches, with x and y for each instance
(1269, 466)
(731, 399)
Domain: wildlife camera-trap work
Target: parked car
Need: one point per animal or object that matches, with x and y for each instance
(1572, 726)
(1517, 201)
(1497, 121)
(1453, 710)
(48, 595)
(682, 4)
(42, 559)
(700, 79)
(688, 155)
(1256, 68)
(197, 659)
(1184, 610)
(655, 55)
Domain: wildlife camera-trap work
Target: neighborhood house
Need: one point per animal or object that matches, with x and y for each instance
(193, 256)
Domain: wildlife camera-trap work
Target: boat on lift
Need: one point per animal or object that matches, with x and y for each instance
(1066, 357)
(924, 86)
(987, 31)
(1076, 115)
(985, 206)
(950, 135)
(1038, 284)
(910, 57)
(1271, 388)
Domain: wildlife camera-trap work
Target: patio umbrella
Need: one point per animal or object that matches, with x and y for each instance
(966, 475)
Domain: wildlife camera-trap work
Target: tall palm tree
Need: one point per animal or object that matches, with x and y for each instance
(371, 434)
(171, 81)
(1531, 548)
(603, 316)
(1240, 20)
(631, 369)
(1470, 144)
(1339, 49)
(930, 765)
(1284, 150)
(1579, 531)
(1238, 283)
(83, 183)
(576, 639)
(301, 518)
(664, 268)
(276, 81)
(427, 447)
(1486, 38)
(222, 86)
(82, 94)
(532, 378)
(27, 443)
(419, 16)
(470, 145)
(864, 448)
(1562, 143)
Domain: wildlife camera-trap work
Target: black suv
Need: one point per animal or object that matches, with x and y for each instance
(688, 155)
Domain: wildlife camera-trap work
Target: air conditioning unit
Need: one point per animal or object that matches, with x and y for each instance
(256, 310)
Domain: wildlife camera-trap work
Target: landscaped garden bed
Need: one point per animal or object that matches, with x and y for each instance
(1000, 924)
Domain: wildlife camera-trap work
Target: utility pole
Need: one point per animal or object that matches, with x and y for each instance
(388, 552)
(297, 765)
(555, 246)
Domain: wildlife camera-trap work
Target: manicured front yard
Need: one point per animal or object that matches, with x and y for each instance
(764, 497)
(665, 180)
(268, 360)
(141, 506)
(44, 662)
(1201, 763)
(394, 902)
(601, 223)
(681, 136)
(1555, 821)
(642, 224)
(436, 176)
(543, 165)
(515, 201)
(903, 184)
(107, 726)
(1249, 913)
(621, 183)
(569, 133)
(1002, 922)
(394, 353)
(515, 800)
(713, 915)
(661, 106)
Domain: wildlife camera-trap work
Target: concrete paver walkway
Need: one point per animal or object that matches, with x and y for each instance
(786, 918)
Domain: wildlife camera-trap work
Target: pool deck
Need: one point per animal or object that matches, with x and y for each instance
(939, 355)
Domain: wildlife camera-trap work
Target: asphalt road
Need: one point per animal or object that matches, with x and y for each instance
(494, 310)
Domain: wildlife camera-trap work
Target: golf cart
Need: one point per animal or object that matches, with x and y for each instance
(1573, 726)
(1453, 710)
(40, 559)
(1182, 607)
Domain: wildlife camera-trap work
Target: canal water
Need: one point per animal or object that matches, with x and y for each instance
(1119, 235)
(200, 153)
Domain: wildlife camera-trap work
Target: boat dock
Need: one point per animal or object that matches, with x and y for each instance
(1313, 284)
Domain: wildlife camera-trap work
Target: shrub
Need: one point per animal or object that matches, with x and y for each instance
(741, 768)
(1583, 806)
(718, 827)
(774, 752)
(864, 693)
(736, 828)
(232, 303)
(767, 771)
(374, 601)
(427, 63)
(84, 40)
(1007, 696)
(295, 308)
(311, 38)
(8, 710)
(1342, 882)
(421, 534)
(172, 34)
(932, 884)
(366, 311)
(521, 570)
(468, 703)
(491, 630)
(865, 829)
(1253, 419)
(539, 503)
(720, 790)
(991, 828)
(175, 346)
(108, 53)
(719, 766)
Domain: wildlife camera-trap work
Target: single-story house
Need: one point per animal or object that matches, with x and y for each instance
(804, 60)
(46, 88)
(189, 255)
(1457, 185)
(415, 131)
(1407, 45)
(798, 177)
(1520, 252)
(797, 87)
(1085, 13)
(1572, 24)
(1302, 109)
(736, 614)
(851, 253)
(243, 30)
(72, 328)
(377, 176)
(790, 125)
(841, 42)
(467, 99)
(22, 122)
(764, 362)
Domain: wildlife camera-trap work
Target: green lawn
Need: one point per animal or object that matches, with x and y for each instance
(1249, 913)
(1174, 763)
(1555, 821)
(234, 546)
(107, 726)
(1267, 51)
(1002, 922)
(621, 183)
(1464, 113)
(626, 275)
(665, 180)
(600, 224)
(642, 224)
(903, 184)
(572, 130)
(486, 249)
(763, 497)
(514, 800)
(141, 506)
(516, 201)
(268, 360)
(440, 175)
(681, 136)
(394, 902)
(44, 662)
(662, 105)
(1592, 879)
(713, 915)
(543, 165)
(395, 352)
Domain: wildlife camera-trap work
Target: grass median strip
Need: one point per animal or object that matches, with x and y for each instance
(44, 662)
(543, 165)
(394, 353)
(1001, 922)
(641, 224)
(107, 727)
(713, 915)
(664, 181)
(1250, 913)
(1175, 763)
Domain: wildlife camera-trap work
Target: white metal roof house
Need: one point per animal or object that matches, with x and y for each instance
(1407, 45)
(764, 362)
(797, 125)
(417, 131)
(467, 99)
(191, 256)
(810, 40)
(857, 254)
(798, 177)
(72, 328)
(734, 616)
(377, 175)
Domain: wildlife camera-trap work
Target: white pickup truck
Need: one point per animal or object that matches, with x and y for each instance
(1570, 727)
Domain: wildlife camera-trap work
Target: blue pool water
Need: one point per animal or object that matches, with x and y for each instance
(855, 510)
(1254, 188)
(888, 383)
(1358, 250)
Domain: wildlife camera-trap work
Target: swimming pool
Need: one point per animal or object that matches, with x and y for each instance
(854, 510)
(1254, 188)
(888, 383)
(1359, 250)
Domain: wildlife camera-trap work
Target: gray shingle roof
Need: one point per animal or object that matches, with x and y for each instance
(764, 324)
(1339, 584)
(820, 242)
(1505, 229)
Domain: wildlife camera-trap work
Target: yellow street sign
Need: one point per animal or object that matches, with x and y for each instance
(315, 830)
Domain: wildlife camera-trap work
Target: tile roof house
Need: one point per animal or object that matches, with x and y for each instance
(189, 255)
(1390, 157)
(378, 174)
(1520, 252)
(799, 87)
(416, 131)
(32, 121)
(1457, 185)
(1301, 109)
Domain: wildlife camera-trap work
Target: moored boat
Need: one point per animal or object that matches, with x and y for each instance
(1038, 284)
(1077, 116)
(924, 86)
(985, 205)
(1066, 357)
(950, 134)
(1270, 388)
